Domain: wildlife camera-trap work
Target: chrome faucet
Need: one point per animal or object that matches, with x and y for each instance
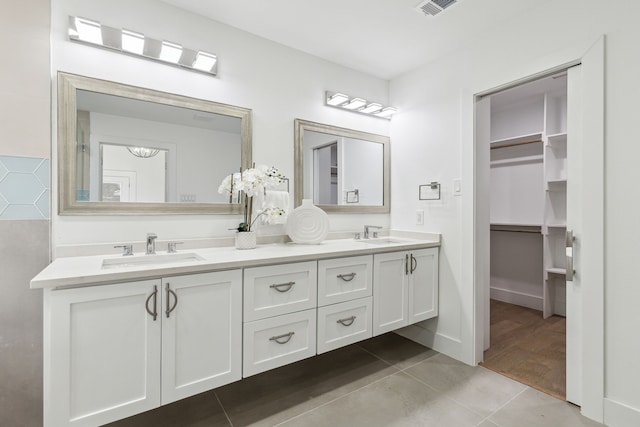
(151, 243)
(366, 230)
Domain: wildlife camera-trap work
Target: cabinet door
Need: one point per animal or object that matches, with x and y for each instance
(201, 333)
(102, 353)
(423, 284)
(389, 292)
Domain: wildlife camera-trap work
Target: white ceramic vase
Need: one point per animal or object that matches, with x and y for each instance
(245, 239)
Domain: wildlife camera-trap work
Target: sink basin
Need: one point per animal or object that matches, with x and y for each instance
(150, 260)
(380, 241)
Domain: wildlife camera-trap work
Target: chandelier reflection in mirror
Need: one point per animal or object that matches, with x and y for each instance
(143, 152)
(129, 42)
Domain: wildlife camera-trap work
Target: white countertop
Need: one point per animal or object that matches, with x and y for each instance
(88, 270)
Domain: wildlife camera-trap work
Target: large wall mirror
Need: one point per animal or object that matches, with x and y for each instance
(341, 170)
(128, 150)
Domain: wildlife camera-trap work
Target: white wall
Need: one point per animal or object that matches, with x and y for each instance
(279, 84)
(435, 123)
(198, 159)
(358, 157)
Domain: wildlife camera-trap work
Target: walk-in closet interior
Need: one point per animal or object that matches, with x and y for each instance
(528, 211)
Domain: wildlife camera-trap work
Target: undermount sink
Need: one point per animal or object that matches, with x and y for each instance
(150, 260)
(380, 241)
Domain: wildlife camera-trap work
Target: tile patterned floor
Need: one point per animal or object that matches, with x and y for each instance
(387, 381)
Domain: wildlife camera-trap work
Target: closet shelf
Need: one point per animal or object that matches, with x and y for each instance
(516, 140)
(556, 184)
(556, 225)
(517, 228)
(557, 138)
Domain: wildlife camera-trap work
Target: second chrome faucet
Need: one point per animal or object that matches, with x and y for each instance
(151, 243)
(366, 230)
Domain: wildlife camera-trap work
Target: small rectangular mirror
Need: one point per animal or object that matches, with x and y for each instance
(129, 150)
(341, 170)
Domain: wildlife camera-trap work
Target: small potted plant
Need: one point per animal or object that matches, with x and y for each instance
(244, 186)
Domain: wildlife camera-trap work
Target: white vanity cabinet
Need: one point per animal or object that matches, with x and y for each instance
(116, 350)
(279, 314)
(345, 287)
(405, 288)
(201, 334)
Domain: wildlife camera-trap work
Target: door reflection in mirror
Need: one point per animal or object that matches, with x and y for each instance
(342, 168)
(127, 177)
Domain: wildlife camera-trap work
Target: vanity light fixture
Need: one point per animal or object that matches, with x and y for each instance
(88, 31)
(337, 99)
(130, 42)
(387, 112)
(204, 61)
(371, 108)
(358, 105)
(170, 52)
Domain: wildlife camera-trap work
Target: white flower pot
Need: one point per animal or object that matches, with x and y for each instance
(245, 239)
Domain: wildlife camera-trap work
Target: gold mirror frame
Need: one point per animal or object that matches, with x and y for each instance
(301, 125)
(68, 84)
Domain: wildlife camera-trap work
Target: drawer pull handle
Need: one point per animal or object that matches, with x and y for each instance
(153, 295)
(347, 277)
(277, 286)
(282, 339)
(170, 307)
(348, 321)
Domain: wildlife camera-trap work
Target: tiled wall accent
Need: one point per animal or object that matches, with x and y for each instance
(24, 188)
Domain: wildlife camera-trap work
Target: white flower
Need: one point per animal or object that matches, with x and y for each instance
(251, 182)
(269, 215)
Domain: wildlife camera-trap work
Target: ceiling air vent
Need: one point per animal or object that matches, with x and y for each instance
(433, 7)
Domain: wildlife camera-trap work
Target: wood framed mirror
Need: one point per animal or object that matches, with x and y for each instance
(341, 170)
(125, 150)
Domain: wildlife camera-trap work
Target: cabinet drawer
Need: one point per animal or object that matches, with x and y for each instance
(343, 324)
(344, 279)
(278, 341)
(279, 289)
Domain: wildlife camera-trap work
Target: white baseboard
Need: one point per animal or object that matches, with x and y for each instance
(618, 414)
(441, 343)
(517, 298)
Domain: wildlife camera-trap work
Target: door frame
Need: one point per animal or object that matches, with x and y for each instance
(475, 224)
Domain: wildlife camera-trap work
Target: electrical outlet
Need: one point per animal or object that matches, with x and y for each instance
(419, 217)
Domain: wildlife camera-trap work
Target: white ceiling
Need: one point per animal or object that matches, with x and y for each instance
(384, 38)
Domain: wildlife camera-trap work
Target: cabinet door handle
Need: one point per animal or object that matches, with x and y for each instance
(287, 285)
(414, 263)
(153, 295)
(347, 277)
(406, 264)
(282, 339)
(347, 321)
(170, 308)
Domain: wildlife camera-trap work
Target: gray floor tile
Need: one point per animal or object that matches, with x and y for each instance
(487, 423)
(201, 410)
(277, 395)
(397, 350)
(477, 388)
(533, 408)
(398, 400)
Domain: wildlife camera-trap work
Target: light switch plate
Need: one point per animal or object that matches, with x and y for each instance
(457, 187)
(419, 217)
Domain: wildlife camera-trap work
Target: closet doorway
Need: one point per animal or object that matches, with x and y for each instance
(528, 225)
(584, 294)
